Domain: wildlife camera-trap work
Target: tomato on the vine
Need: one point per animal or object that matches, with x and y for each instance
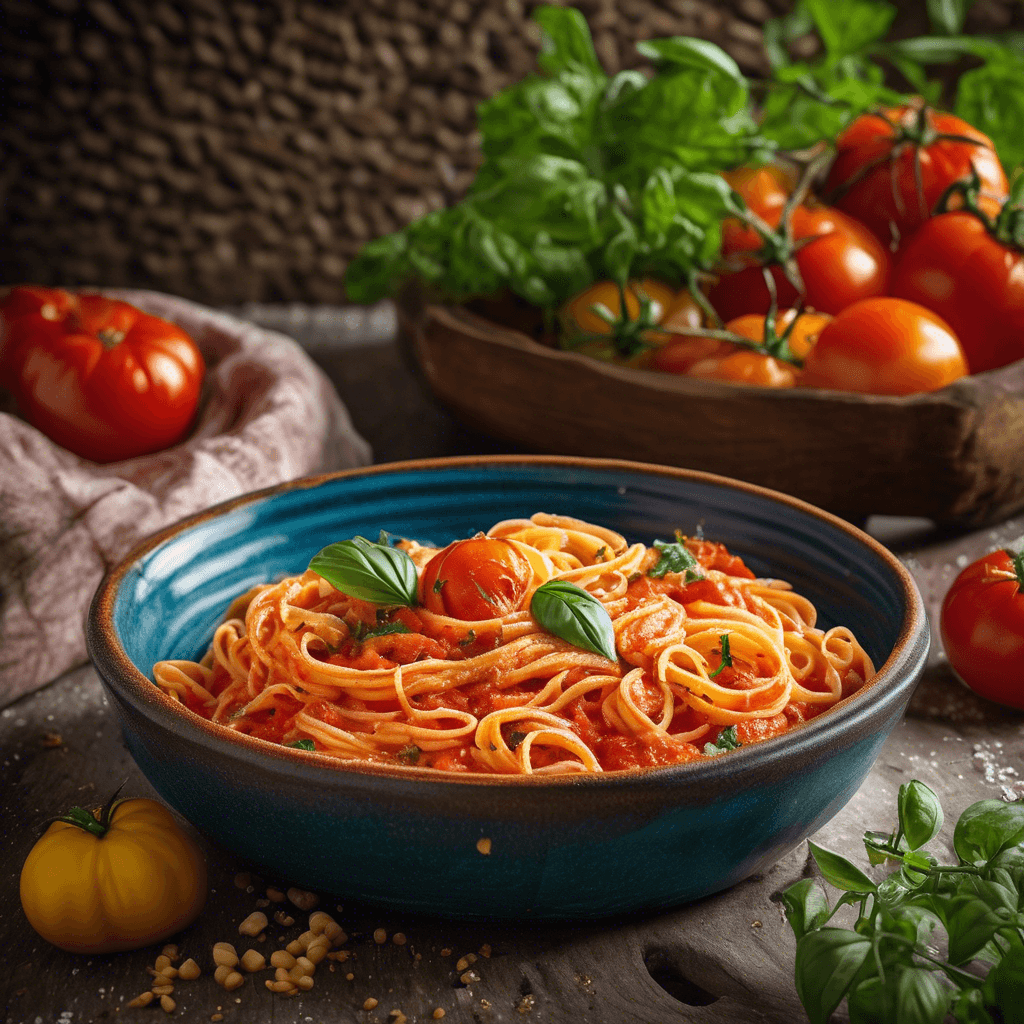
(892, 167)
(98, 376)
(718, 359)
(763, 189)
(578, 315)
(959, 268)
(885, 346)
(479, 578)
(982, 627)
(839, 261)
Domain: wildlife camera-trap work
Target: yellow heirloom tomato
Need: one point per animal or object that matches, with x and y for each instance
(124, 879)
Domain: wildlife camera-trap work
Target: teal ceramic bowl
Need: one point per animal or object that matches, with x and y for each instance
(576, 847)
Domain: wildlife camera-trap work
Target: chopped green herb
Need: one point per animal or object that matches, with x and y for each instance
(726, 741)
(726, 661)
(600, 553)
(409, 754)
(387, 629)
(302, 744)
(483, 593)
(468, 638)
(676, 557)
(515, 738)
(438, 584)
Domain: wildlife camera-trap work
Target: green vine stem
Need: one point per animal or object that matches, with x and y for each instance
(87, 821)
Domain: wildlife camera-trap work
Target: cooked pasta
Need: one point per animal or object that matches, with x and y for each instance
(466, 679)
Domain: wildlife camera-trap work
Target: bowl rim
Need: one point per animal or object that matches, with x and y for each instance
(898, 673)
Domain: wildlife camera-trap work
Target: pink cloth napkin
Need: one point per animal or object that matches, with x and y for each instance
(268, 414)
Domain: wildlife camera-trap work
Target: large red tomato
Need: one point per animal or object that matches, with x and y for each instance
(955, 267)
(885, 346)
(892, 167)
(98, 376)
(479, 578)
(839, 260)
(982, 626)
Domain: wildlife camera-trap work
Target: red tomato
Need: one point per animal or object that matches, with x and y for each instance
(679, 354)
(982, 627)
(885, 346)
(841, 263)
(474, 579)
(892, 167)
(744, 366)
(953, 266)
(98, 376)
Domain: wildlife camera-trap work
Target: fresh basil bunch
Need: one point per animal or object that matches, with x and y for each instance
(587, 176)
(889, 968)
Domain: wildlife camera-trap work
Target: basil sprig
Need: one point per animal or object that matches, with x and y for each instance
(370, 572)
(889, 968)
(302, 744)
(575, 616)
(675, 556)
(726, 661)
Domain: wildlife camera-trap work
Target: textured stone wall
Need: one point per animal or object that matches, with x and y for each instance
(228, 151)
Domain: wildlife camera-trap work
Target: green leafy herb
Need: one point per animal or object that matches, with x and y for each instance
(469, 638)
(483, 593)
(575, 616)
(726, 741)
(676, 557)
(409, 754)
(600, 553)
(368, 571)
(726, 661)
(888, 968)
(438, 584)
(515, 738)
(302, 744)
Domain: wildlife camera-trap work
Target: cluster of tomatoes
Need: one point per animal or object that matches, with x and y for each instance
(98, 376)
(904, 283)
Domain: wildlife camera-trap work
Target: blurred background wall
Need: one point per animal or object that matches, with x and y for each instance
(233, 151)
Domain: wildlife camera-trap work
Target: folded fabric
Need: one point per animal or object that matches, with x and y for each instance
(268, 414)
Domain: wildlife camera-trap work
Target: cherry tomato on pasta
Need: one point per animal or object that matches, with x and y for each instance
(955, 267)
(982, 627)
(98, 376)
(479, 578)
(885, 346)
(840, 262)
(892, 167)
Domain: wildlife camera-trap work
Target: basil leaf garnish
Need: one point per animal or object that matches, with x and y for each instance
(386, 630)
(302, 744)
(726, 741)
(726, 661)
(676, 557)
(409, 754)
(575, 616)
(368, 571)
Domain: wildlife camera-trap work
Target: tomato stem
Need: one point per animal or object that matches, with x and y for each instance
(1007, 227)
(88, 822)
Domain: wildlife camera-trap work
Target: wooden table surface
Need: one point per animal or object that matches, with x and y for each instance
(724, 960)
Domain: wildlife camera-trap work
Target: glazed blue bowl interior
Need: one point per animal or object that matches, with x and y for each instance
(575, 847)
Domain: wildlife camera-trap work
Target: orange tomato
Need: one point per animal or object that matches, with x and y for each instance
(801, 338)
(578, 316)
(744, 366)
(885, 346)
(479, 578)
(763, 189)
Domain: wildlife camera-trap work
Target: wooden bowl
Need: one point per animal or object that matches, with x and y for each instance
(955, 456)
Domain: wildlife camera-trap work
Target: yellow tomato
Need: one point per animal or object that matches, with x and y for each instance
(131, 878)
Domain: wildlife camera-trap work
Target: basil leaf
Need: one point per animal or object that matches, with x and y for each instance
(920, 813)
(574, 615)
(387, 629)
(726, 741)
(726, 662)
(805, 905)
(827, 962)
(302, 744)
(840, 872)
(970, 923)
(370, 572)
(409, 754)
(676, 557)
(987, 828)
(947, 16)
(920, 997)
